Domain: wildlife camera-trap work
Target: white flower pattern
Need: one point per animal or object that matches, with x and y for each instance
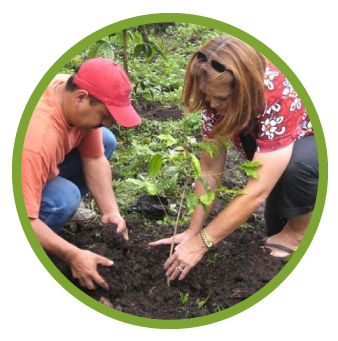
(270, 126)
(270, 75)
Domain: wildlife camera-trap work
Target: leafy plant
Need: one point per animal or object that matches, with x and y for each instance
(184, 299)
(212, 259)
(202, 302)
(217, 307)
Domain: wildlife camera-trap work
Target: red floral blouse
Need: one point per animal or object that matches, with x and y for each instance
(283, 120)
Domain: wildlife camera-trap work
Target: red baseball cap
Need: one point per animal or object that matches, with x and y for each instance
(107, 81)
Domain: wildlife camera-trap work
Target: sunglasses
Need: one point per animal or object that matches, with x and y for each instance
(217, 66)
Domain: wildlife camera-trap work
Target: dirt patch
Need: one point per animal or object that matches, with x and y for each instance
(158, 112)
(236, 269)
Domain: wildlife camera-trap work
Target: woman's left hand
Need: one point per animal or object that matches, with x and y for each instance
(185, 258)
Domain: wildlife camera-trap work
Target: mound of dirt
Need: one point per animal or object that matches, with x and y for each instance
(236, 269)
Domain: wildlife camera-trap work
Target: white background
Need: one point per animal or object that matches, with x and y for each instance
(34, 35)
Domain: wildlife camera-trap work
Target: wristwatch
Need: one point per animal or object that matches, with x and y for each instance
(207, 241)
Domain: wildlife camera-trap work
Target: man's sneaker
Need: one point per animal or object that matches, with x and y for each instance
(83, 215)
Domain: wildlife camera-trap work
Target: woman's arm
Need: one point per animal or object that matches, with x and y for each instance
(209, 166)
(256, 192)
(238, 211)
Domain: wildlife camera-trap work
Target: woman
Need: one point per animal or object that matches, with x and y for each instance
(244, 97)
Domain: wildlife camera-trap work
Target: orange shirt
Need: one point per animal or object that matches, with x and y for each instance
(48, 139)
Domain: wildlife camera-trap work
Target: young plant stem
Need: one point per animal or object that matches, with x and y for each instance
(225, 171)
(159, 199)
(176, 224)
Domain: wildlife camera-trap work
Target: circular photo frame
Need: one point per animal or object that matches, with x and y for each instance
(270, 286)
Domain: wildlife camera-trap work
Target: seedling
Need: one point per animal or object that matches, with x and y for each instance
(73, 226)
(184, 299)
(211, 259)
(217, 307)
(201, 303)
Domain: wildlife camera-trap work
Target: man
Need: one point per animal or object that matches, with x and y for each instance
(65, 154)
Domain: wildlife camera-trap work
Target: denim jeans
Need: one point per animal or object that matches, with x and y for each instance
(62, 195)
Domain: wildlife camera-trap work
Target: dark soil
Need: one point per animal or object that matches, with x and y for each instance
(154, 110)
(237, 268)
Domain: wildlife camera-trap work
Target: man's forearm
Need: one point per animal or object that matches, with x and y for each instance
(99, 181)
(51, 242)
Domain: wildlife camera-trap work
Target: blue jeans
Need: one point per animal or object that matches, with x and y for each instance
(62, 195)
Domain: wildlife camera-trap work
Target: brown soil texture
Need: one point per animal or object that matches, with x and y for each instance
(237, 268)
(154, 110)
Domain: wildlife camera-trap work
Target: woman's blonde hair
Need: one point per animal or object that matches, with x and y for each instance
(245, 75)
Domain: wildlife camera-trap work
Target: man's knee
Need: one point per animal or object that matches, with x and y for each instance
(60, 201)
(109, 142)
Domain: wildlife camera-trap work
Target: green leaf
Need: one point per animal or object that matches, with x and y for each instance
(207, 198)
(204, 183)
(206, 147)
(151, 188)
(137, 183)
(137, 50)
(195, 165)
(251, 164)
(249, 168)
(192, 202)
(167, 137)
(227, 190)
(250, 171)
(158, 50)
(130, 35)
(201, 303)
(155, 165)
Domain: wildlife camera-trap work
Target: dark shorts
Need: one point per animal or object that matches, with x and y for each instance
(296, 191)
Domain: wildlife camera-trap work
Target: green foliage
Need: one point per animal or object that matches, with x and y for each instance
(202, 302)
(217, 307)
(184, 299)
(156, 68)
(73, 226)
(250, 168)
(155, 165)
(212, 259)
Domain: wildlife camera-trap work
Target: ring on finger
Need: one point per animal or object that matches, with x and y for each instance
(178, 269)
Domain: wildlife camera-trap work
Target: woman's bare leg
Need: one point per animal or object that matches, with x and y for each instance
(291, 235)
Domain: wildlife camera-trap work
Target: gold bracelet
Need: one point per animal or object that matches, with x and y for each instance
(206, 239)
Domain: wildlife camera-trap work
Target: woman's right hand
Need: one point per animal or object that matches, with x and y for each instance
(180, 239)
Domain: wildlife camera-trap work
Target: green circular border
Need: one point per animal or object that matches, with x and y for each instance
(17, 154)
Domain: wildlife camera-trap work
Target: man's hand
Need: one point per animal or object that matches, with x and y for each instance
(115, 218)
(180, 239)
(84, 268)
